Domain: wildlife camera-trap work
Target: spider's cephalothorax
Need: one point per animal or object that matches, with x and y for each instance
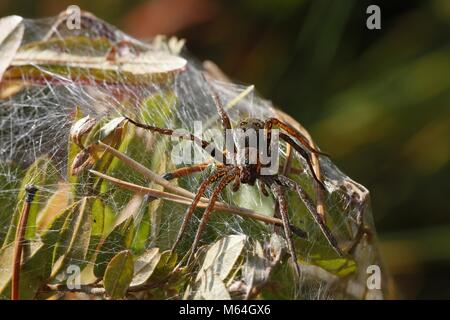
(250, 141)
(246, 167)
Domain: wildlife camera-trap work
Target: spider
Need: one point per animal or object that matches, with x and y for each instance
(244, 172)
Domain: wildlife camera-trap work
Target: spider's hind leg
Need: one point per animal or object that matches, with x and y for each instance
(278, 192)
(285, 181)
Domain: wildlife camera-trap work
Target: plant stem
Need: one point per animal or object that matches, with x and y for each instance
(20, 238)
(246, 213)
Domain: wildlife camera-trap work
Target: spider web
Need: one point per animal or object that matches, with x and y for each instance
(46, 89)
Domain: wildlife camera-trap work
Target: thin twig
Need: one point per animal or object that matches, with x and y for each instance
(94, 289)
(246, 213)
(88, 289)
(147, 173)
(20, 238)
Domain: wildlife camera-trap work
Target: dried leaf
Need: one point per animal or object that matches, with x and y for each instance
(211, 287)
(145, 266)
(257, 268)
(73, 62)
(222, 256)
(55, 205)
(110, 127)
(81, 162)
(80, 128)
(11, 33)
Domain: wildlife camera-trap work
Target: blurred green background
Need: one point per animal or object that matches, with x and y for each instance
(377, 100)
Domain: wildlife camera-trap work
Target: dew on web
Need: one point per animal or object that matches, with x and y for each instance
(59, 76)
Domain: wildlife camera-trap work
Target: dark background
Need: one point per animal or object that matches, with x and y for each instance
(377, 100)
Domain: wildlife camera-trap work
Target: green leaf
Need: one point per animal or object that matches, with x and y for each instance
(10, 178)
(72, 151)
(6, 262)
(164, 103)
(74, 238)
(40, 173)
(118, 275)
(258, 202)
(326, 258)
(340, 266)
(98, 218)
(145, 265)
(165, 266)
(282, 284)
(37, 268)
(117, 241)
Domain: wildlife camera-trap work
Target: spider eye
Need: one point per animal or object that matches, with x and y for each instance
(243, 123)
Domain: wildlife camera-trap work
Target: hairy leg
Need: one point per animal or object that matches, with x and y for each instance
(278, 193)
(223, 183)
(182, 172)
(271, 122)
(237, 183)
(188, 215)
(304, 154)
(226, 123)
(262, 188)
(312, 209)
(205, 145)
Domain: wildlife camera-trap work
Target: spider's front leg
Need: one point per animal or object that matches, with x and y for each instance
(185, 171)
(225, 119)
(271, 122)
(205, 145)
(305, 155)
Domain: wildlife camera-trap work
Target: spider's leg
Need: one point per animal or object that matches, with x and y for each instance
(205, 145)
(288, 163)
(271, 122)
(190, 210)
(285, 181)
(285, 171)
(278, 192)
(237, 183)
(222, 184)
(304, 154)
(182, 172)
(262, 188)
(226, 123)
